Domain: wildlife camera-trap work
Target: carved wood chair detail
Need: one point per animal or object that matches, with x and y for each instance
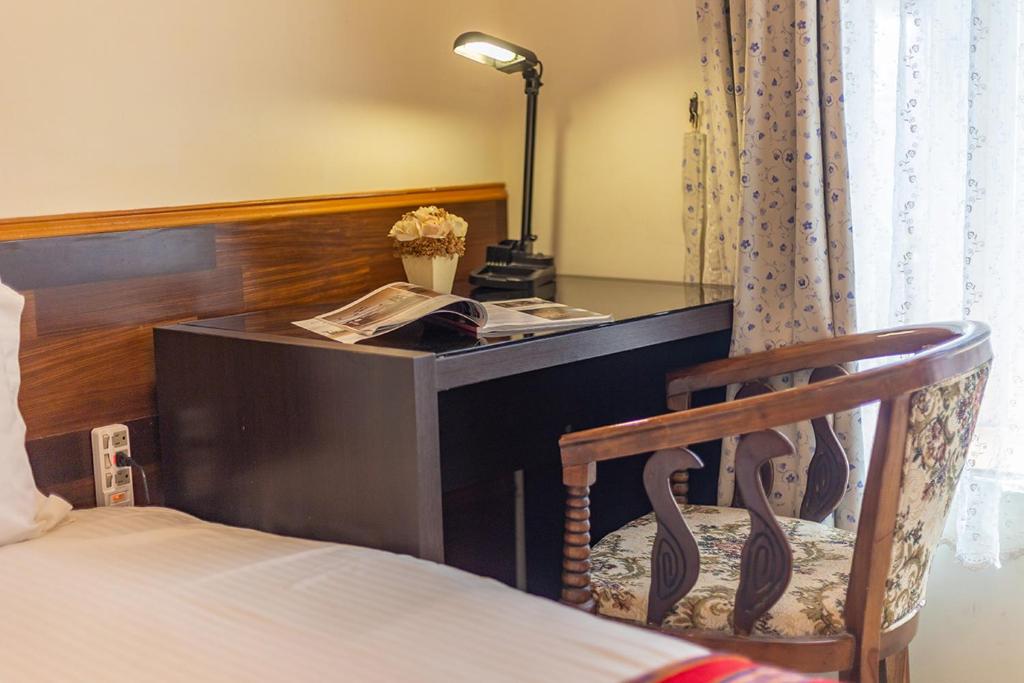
(864, 632)
(828, 473)
(767, 472)
(675, 557)
(767, 561)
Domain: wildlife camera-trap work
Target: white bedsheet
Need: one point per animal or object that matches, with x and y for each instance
(161, 596)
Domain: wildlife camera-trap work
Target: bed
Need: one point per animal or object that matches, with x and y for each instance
(164, 596)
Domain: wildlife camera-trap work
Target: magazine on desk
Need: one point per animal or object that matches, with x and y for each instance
(386, 309)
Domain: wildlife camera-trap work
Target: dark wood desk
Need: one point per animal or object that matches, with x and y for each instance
(408, 442)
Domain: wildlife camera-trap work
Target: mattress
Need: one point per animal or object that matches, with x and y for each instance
(151, 594)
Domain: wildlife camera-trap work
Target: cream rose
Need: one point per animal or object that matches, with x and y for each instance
(429, 229)
(457, 225)
(405, 230)
(425, 213)
(434, 227)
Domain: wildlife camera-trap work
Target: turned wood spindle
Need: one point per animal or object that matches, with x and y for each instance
(680, 482)
(576, 550)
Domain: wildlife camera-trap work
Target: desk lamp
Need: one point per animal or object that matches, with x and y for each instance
(511, 264)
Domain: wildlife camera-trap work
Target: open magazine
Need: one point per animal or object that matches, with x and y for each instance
(400, 303)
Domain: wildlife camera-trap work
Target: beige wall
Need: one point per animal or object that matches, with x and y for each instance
(113, 104)
(613, 110)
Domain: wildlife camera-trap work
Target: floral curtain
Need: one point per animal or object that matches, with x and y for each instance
(711, 246)
(695, 204)
(935, 121)
(774, 91)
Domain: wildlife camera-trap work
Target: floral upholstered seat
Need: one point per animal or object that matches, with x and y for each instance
(812, 604)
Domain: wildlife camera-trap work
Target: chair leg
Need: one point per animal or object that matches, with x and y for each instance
(853, 676)
(896, 667)
(866, 669)
(680, 481)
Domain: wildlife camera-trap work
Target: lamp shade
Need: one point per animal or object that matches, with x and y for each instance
(501, 54)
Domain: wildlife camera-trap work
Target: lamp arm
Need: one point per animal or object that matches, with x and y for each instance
(533, 83)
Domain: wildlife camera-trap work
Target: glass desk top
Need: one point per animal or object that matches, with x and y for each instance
(624, 299)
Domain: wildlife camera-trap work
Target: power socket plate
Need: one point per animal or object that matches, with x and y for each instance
(114, 485)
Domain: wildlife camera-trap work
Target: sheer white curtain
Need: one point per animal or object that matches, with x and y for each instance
(935, 128)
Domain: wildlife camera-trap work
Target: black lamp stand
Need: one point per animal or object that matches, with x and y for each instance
(511, 264)
(532, 80)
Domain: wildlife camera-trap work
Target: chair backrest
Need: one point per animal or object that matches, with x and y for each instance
(939, 428)
(925, 423)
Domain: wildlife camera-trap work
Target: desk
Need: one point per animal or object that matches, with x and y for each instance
(408, 442)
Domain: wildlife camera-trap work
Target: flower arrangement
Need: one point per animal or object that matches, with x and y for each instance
(430, 241)
(429, 232)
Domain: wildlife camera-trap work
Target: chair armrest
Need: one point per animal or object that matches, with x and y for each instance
(834, 351)
(754, 414)
(782, 408)
(941, 350)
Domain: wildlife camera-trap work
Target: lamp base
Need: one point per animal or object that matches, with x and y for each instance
(546, 291)
(518, 272)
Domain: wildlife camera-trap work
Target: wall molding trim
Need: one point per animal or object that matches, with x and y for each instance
(60, 225)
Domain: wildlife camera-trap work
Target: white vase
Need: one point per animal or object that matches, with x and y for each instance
(433, 272)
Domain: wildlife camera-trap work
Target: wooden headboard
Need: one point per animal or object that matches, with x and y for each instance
(95, 285)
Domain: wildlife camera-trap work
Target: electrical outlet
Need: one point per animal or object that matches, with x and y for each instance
(113, 483)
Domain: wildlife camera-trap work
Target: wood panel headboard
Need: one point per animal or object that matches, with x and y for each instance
(96, 284)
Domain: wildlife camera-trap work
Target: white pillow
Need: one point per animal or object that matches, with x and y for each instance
(24, 512)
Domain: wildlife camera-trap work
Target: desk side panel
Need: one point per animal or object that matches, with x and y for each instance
(298, 440)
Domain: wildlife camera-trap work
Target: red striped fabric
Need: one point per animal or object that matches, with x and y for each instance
(718, 668)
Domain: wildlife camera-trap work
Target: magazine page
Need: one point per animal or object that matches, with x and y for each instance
(535, 315)
(388, 308)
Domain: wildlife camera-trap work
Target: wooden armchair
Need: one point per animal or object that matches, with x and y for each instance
(792, 592)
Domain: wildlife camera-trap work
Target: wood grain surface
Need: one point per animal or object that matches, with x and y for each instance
(96, 284)
(236, 212)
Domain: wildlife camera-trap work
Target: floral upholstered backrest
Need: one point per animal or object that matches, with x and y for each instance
(942, 419)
